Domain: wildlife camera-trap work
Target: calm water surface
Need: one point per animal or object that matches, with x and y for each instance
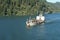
(14, 28)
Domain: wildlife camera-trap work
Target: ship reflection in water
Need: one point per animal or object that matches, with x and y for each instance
(36, 32)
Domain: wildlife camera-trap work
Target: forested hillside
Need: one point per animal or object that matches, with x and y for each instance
(24, 7)
(21, 7)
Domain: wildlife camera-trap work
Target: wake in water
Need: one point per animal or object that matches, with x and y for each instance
(52, 20)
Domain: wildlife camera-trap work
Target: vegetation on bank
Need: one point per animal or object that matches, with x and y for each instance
(23, 7)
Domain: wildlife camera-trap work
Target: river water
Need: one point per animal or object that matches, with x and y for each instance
(14, 28)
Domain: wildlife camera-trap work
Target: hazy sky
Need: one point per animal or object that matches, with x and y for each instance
(53, 1)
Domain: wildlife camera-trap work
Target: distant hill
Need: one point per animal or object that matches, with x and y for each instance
(57, 4)
(54, 6)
